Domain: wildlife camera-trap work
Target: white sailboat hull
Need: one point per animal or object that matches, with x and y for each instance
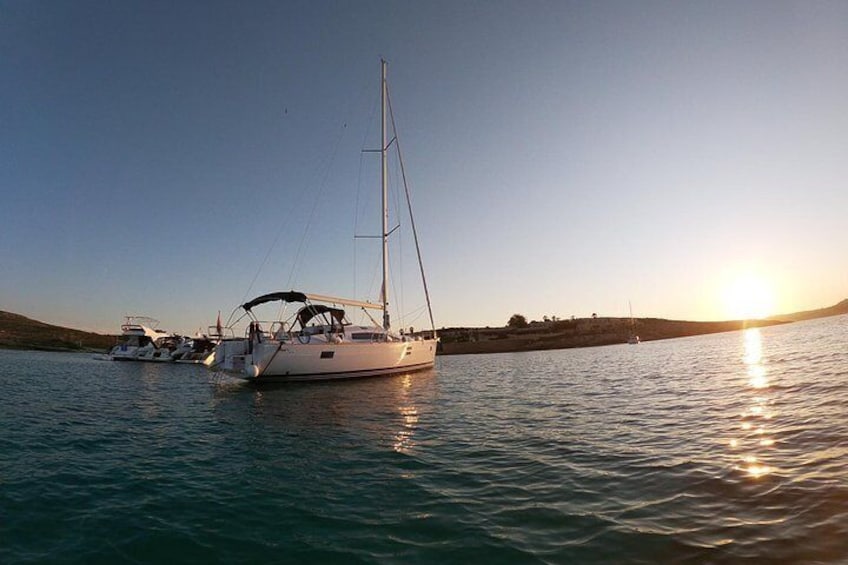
(292, 361)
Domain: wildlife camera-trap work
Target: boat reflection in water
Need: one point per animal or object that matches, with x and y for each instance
(381, 413)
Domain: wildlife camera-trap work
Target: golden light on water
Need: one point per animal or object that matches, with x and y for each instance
(759, 382)
(404, 438)
(754, 468)
(753, 358)
(758, 471)
(753, 343)
(754, 434)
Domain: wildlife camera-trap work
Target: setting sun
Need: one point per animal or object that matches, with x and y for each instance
(749, 297)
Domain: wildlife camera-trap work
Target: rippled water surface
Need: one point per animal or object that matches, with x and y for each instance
(728, 448)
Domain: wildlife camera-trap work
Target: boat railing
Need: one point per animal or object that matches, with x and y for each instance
(267, 330)
(216, 333)
(279, 331)
(283, 332)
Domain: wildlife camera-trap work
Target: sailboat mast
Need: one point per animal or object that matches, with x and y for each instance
(384, 175)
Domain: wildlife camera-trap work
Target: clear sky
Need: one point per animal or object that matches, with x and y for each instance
(175, 158)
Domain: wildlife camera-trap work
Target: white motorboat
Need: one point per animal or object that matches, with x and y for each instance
(199, 349)
(317, 341)
(141, 340)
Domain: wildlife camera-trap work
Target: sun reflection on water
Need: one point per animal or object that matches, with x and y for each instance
(753, 358)
(754, 418)
(404, 438)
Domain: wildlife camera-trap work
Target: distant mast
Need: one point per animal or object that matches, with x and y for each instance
(383, 151)
(633, 338)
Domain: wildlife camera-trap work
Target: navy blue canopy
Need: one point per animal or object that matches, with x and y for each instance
(308, 312)
(290, 296)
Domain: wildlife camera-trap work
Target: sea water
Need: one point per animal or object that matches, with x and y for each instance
(727, 448)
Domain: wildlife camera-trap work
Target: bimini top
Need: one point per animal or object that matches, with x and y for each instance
(295, 296)
(308, 312)
(290, 296)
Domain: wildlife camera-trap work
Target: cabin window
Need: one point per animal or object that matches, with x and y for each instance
(327, 354)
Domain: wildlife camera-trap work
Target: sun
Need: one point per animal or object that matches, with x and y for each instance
(749, 297)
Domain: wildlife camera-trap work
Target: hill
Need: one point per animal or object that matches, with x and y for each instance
(835, 310)
(582, 332)
(587, 332)
(20, 332)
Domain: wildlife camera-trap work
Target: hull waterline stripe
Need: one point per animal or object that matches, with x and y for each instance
(352, 374)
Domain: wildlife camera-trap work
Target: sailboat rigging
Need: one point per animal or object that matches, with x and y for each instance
(318, 341)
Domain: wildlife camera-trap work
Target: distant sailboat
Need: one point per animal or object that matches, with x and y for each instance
(633, 339)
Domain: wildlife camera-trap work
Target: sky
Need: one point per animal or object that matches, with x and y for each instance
(174, 159)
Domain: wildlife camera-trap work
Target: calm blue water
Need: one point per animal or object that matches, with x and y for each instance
(728, 448)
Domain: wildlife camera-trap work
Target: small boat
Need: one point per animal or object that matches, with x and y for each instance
(317, 341)
(141, 340)
(199, 349)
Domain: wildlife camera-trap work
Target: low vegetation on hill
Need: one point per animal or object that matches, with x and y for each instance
(583, 332)
(553, 333)
(19, 332)
(835, 310)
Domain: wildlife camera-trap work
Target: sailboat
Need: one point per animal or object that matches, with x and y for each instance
(317, 341)
(632, 339)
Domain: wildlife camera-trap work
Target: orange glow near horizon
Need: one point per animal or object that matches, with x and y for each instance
(749, 297)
